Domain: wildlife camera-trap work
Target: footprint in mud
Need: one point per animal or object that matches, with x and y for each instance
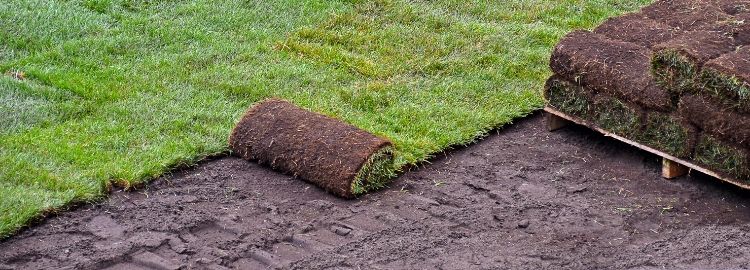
(105, 227)
(214, 233)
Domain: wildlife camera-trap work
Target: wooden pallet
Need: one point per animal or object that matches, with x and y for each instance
(672, 167)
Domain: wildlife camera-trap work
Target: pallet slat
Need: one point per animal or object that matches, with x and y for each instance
(671, 166)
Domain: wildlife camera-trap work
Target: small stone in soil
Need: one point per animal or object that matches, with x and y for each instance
(204, 260)
(341, 230)
(523, 224)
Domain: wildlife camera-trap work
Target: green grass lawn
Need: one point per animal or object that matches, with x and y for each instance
(120, 91)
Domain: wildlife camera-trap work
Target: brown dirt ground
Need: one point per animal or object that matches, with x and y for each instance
(523, 198)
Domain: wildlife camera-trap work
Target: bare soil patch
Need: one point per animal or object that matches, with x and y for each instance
(523, 198)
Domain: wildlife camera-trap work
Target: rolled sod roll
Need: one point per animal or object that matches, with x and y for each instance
(336, 156)
(618, 116)
(668, 132)
(617, 68)
(727, 79)
(687, 15)
(609, 113)
(716, 120)
(569, 97)
(727, 159)
(676, 64)
(638, 29)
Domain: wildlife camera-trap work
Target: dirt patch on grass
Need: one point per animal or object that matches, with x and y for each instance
(734, 7)
(524, 198)
(339, 157)
(737, 27)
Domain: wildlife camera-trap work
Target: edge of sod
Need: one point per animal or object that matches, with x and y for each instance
(724, 158)
(675, 72)
(732, 91)
(376, 172)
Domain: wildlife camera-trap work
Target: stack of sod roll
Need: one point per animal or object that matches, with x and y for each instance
(674, 76)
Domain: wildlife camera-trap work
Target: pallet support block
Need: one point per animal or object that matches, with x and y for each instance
(555, 122)
(671, 170)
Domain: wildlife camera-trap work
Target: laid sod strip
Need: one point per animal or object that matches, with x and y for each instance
(336, 156)
(638, 29)
(669, 133)
(614, 67)
(727, 79)
(25, 105)
(724, 158)
(713, 118)
(161, 83)
(676, 64)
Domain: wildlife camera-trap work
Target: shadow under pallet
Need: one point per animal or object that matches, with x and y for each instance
(672, 167)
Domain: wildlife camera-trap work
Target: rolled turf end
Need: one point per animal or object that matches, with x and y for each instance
(616, 116)
(607, 112)
(338, 157)
(730, 90)
(674, 71)
(668, 133)
(567, 97)
(732, 161)
(375, 172)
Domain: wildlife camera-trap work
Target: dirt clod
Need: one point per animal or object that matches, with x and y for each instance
(576, 189)
(523, 224)
(16, 74)
(342, 231)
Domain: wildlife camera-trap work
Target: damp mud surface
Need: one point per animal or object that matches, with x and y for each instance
(523, 198)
